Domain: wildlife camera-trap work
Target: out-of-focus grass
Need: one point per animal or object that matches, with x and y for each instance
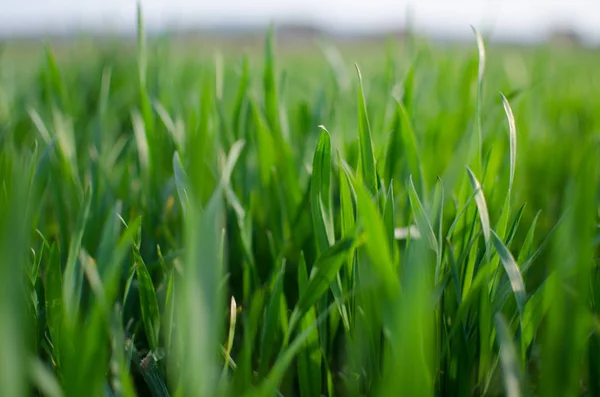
(185, 223)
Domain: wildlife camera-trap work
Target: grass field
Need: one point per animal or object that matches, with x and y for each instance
(405, 219)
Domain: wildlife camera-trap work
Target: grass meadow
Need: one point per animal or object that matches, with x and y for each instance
(403, 219)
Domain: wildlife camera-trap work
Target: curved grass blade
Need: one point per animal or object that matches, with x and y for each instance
(321, 193)
(230, 336)
(512, 136)
(367, 158)
(482, 207)
(509, 238)
(509, 360)
(512, 270)
(480, 75)
(321, 209)
(232, 158)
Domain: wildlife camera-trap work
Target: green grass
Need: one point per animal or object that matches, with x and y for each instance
(412, 220)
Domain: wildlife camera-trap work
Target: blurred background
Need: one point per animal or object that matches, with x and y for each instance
(509, 20)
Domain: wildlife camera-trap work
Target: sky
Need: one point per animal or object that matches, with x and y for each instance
(513, 19)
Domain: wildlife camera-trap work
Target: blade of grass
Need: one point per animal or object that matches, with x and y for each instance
(481, 207)
(322, 275)
(480, 76)
(309, 358)
(148, 301)
(199, 297)
(512, 270)
(423, 222)
(377, 242)
(509, 359)
(271, 324)
(73, 274)
(367, 158)
(54, 301)
(321, 193)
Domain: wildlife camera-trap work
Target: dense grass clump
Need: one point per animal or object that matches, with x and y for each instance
(422, 224)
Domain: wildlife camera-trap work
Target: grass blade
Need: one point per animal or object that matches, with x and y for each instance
(389, 219)
(148, 301)
(321, 193)
(508, 359)
(73, 275)
(367, 158)
(423, 222)
(152, 376)
(481, 207)
(322, 275)
(54, 301)
(272, 320)
(526, 249)
(480, 75)
(199, 297)
(180, 182)
(309, 358)
(512, 270)
(377, 241)
(512, 135)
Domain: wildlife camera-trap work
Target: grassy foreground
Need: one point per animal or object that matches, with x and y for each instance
(182, 227)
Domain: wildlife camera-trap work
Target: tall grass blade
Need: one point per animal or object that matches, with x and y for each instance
(423, 222)
(321, 193)
(480, 76)
(272, 322)
(323, 273)
(377, 242)
(481, 207)
(148, 301)
(73, 274)
(367, 158)
(309, 358)
(199, 297)
(509, 359)
(512, 270)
